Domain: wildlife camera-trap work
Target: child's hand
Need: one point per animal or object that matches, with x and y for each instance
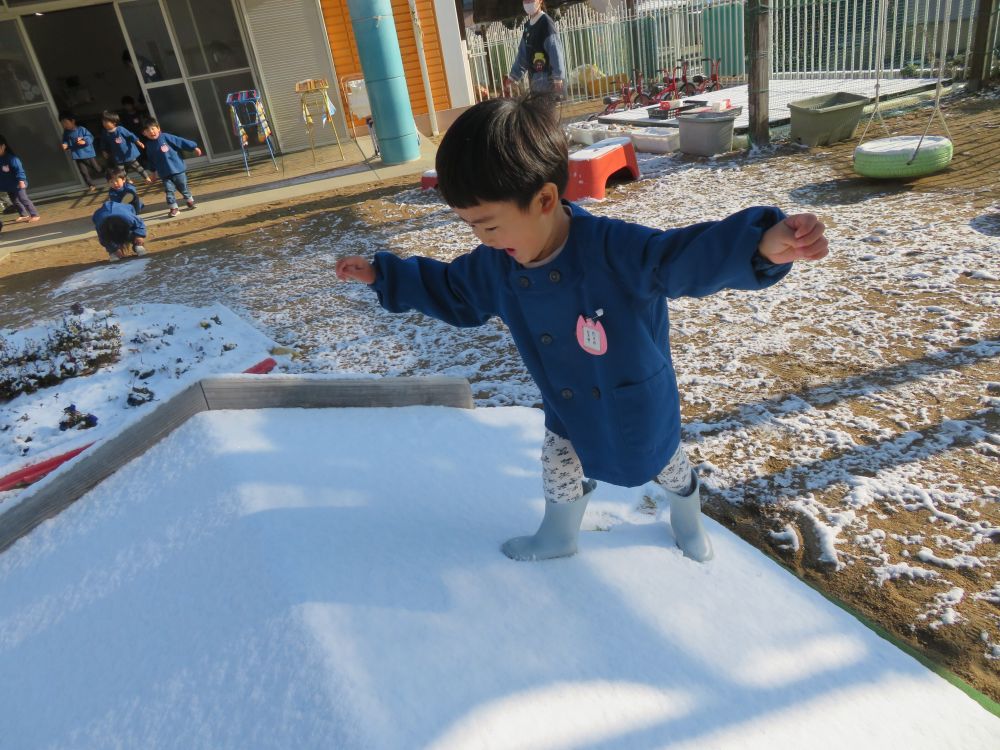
(81, 141)
(22, 184)
(197, 151)
(65, 147)
(355, 268)
(798, 237)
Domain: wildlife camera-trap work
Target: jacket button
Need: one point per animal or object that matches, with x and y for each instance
(524, 281)
(546, 338)
(554, 276)
(595, 392)
(566, 393)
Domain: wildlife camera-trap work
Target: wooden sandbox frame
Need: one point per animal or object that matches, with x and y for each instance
(68, 484)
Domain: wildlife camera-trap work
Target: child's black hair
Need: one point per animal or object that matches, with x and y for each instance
(114, 172)
(126, 100)
(114, 231)
(3, 142)
(503, 150)
(109, 116)
(149, 122)
(67, 115)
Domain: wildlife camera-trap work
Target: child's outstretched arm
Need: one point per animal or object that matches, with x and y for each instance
(797, 237)
(355, 268)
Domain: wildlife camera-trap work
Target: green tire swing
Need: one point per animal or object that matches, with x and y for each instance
(902, 156)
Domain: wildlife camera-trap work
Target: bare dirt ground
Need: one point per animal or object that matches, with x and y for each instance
(909, 607)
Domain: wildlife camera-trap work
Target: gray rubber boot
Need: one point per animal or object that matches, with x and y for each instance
(685, 520)
(556, 537)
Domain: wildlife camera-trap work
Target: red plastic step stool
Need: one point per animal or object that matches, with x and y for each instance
(590, 167)
(429, 180)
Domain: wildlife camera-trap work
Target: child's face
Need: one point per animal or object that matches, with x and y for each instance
(108, 125)
(116, 183)
(68, 124)
(3, 149)
(152, 132)
(524, 234)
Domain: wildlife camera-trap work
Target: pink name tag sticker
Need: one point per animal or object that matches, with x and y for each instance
(590, 336)
(164, 148)
(118, 139)
(6, 168)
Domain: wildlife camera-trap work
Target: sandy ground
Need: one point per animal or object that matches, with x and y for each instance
(910, 607)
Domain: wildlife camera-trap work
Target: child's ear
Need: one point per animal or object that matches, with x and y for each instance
(549, 197)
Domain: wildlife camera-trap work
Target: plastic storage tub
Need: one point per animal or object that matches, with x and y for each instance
(826, 119)
(656, 140)
(707, 133)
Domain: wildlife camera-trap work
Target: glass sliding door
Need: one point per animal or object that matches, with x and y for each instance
(26, 117)
(215, 59)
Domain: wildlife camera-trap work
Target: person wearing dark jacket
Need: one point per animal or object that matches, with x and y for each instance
(540, 53)
(164, 153)
(79, 142)
(119, 188)
(121, 146)
(14, 182)
(117, 226)
(584, 298)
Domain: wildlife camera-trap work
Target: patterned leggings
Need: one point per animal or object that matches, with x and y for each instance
(562, 473)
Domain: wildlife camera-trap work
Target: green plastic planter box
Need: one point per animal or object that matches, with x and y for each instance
(822, 120)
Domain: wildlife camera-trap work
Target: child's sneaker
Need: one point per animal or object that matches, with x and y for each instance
(191, 206)
(173, 212)
(114, 257)
(36, 217)
(139, 250)
(19, 219)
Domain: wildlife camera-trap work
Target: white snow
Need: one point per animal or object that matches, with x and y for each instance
(333, 579)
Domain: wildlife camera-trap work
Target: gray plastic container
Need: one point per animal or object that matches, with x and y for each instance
(826, 119)
(707, 133)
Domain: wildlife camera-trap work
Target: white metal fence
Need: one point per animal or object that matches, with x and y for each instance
(809, 38)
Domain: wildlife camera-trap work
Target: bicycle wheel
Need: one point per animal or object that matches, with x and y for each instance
(714, 87)
(688, 89)
(643, 100)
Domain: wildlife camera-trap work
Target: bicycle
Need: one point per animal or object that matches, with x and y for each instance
(666, 91)
(632, 96)
(702, 84)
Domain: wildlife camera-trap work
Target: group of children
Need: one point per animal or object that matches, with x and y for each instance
(123, 150)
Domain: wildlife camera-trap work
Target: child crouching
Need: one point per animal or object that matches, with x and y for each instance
(118, 226)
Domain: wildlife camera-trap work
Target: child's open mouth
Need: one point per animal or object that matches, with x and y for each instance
(509, 250)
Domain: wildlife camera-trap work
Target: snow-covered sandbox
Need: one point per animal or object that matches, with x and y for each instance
(332, 578)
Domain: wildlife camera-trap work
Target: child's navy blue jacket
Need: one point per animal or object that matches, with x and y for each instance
(137, 227)
(77, 151)
(118, 196)
(621, 409)
(121, 143)
(163, 153)
(11, 172)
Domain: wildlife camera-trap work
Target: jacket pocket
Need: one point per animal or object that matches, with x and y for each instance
(645, 410)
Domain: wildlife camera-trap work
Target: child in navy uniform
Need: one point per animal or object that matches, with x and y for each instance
(80, 143)
(584, 298)
(121, 146)
(119, 188)
(117, 226)
(131, 115)
(164, 153)
(14, 181)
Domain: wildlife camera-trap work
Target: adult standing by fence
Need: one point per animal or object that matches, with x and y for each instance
(540, 53)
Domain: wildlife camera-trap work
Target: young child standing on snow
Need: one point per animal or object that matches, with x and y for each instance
(14, 181)
(163, 151)
(584, 298)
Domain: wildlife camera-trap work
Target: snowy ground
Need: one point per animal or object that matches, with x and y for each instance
(333, 579)
(855, 407)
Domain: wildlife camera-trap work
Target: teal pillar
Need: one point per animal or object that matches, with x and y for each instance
(385, 80)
